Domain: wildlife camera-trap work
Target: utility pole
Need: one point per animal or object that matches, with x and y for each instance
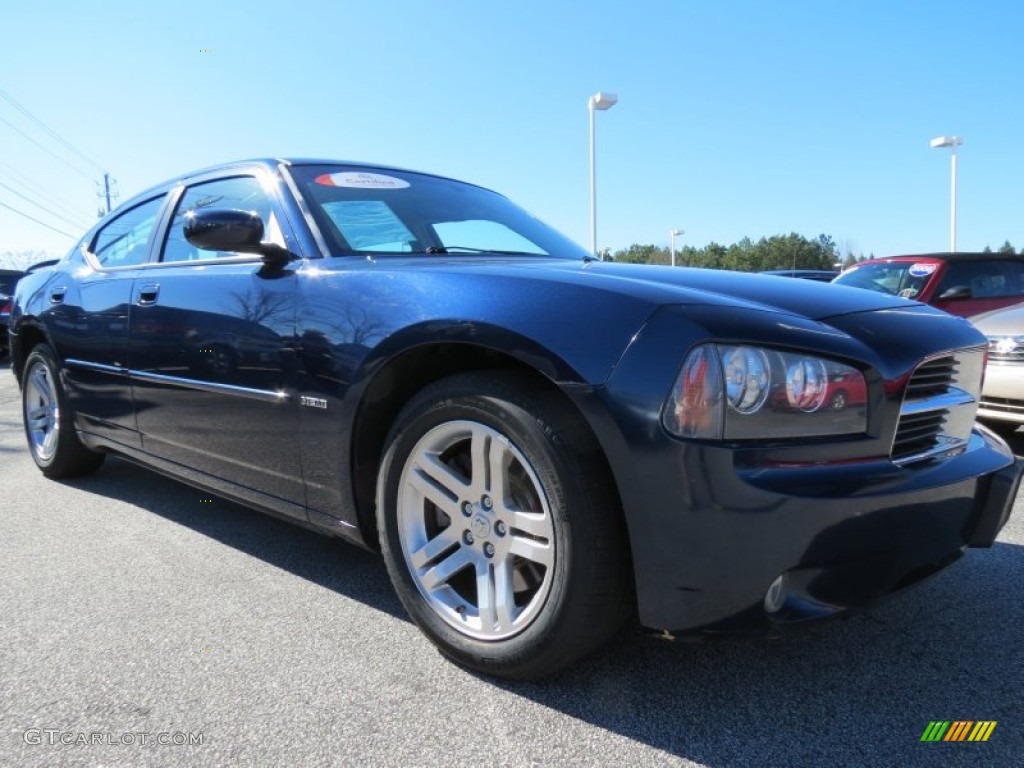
(109, 192)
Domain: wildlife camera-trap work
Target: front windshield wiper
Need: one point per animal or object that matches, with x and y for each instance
(434, 249)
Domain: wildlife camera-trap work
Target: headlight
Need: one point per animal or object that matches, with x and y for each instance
(746, 377)
(742, 392)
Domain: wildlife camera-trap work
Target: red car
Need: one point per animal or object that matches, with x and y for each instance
(962, 284)
(845, 389)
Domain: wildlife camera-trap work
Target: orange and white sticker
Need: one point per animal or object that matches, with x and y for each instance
(361, 180)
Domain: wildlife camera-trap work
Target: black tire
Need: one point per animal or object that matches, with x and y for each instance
(566, 582)
(838, 401)
(49, 421)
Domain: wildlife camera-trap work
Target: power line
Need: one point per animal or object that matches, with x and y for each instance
(41, 207)
(37, 221)
(76, 169)
(10, 99)
(45, 195)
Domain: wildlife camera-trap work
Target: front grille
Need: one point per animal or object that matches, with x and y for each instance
(1006, 349)
(918, 434)
(939, 404)
(932, 377)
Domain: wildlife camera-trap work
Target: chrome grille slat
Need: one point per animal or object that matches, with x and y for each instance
(932, 377)
(939, 403)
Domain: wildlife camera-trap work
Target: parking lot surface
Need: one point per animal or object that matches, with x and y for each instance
(147, 623)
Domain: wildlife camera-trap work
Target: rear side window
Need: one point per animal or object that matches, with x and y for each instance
(986, 279)
(124, 242)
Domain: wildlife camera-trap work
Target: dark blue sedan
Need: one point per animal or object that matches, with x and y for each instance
(543, 446)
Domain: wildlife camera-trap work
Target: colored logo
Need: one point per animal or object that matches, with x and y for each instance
(959, 730)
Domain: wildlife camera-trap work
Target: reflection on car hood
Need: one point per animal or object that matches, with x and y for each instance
(681, 285)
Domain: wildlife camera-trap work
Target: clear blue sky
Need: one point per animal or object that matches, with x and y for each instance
(734, 118)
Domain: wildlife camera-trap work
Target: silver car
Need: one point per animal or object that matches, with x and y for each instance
(1002, 395)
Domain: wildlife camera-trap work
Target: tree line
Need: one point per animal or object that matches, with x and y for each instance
(790, 251)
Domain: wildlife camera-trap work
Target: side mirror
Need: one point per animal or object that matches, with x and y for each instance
(232, 230)
(956, 292)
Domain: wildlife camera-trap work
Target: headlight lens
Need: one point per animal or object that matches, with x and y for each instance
(740, 392)
(806, 381)
(746, 377)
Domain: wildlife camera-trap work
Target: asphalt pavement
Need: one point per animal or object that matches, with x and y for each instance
(144, 623)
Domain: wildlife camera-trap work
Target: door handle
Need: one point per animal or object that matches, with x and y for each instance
(148, 293)
(57, 295)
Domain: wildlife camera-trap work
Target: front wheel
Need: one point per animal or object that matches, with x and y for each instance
(500, 527)
(49, 422)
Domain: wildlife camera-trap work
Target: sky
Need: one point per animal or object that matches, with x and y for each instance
(735, 119)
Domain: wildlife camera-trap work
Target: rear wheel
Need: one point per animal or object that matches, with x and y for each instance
(500, 527)
(49, 422)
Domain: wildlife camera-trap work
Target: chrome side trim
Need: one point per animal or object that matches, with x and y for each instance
(263, 395)
(115, 369)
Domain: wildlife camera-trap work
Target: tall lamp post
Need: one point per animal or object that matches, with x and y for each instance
(672, 235)
(600, 101)
(952, 142)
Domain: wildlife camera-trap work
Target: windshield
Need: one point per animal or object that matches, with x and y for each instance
(900, 278)
(366, 210)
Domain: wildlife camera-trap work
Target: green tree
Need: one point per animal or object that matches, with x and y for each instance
(1006, 247)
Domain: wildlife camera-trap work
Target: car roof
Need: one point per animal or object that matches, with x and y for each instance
(267, 163)
(947, 256)
(271, 164)
(786, 272)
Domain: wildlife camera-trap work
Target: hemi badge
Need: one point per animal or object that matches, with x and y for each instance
(312, 402)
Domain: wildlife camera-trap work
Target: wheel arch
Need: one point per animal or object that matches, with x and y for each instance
(29, 335)
(397, 381)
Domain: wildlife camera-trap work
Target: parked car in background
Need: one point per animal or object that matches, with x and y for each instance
(543, 446)
(962, 284)
(821, 275)
(8, 280)
(1002, 394)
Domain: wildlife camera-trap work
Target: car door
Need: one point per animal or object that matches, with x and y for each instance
(89, 305)
(980, 285)
(213, 358)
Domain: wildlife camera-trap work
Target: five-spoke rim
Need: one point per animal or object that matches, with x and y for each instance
(42, 413)
(476, 531)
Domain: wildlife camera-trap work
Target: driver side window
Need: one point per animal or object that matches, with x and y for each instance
(240, 192)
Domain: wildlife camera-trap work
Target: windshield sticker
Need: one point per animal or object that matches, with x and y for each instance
(922, 270)
(359, 180)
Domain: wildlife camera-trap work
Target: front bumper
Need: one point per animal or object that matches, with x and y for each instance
(710, 537)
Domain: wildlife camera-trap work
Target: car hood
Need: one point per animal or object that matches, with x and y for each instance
(682, 285)
(1008, 321)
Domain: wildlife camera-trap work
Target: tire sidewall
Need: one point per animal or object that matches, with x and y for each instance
(70, 457)
(41, 355)
(540, 447)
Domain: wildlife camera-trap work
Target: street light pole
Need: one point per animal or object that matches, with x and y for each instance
(952, 142)
(672, 235)
(600, 101)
